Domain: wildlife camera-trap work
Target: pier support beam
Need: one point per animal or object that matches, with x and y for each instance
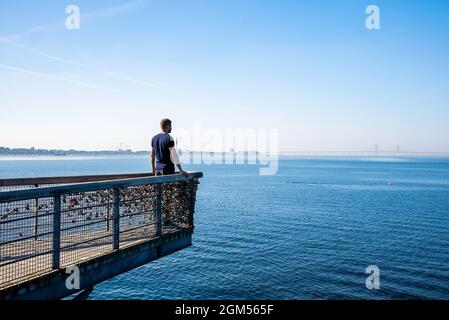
(84, 295)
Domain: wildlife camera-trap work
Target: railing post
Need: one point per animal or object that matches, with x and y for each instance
(159, 210)
(56, 231)
(108, 214)
(36, 214)
(116, 217)
(192, 201)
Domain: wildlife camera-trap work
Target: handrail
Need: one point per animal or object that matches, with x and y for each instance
(26, 194)
(68, 179)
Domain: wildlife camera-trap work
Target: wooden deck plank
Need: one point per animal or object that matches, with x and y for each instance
(16, 272)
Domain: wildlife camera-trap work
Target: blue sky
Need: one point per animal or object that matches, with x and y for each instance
(308, 68)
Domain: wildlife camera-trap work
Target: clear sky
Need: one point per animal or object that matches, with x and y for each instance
(308, 68)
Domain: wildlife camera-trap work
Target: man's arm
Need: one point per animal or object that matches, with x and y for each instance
(153, 161)
(175, 159)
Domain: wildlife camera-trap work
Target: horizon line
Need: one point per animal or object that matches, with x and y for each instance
(288, 153)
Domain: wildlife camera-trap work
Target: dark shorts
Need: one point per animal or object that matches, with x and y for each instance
(165, 172)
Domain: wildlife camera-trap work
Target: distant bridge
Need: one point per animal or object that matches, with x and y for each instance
(103, 225)
(337, 153)
(365, 153)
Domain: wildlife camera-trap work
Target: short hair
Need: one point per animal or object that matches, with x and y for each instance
(165, 123)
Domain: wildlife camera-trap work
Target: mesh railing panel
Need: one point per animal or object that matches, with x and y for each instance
(26, 236)
(86, 228)
(85, 225)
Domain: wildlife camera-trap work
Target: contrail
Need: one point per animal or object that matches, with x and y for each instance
(53, 77)
(129, 79)
(108, 12)
(77, 64)
(38, 52)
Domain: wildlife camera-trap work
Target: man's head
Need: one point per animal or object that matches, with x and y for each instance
(166, 125)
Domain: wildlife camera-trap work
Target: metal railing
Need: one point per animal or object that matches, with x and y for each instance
(52, 223)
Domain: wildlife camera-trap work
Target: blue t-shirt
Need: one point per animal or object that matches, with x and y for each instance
(161, 144)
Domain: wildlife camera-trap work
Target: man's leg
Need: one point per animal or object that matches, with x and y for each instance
(168, 171)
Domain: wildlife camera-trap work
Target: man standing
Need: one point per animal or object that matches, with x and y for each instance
(163, 152)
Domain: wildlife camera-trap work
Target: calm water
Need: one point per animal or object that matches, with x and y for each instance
(309, 232)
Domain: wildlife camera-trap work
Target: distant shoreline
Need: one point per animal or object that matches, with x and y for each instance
(60, 153)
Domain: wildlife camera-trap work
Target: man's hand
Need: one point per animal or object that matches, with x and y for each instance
(185, 173)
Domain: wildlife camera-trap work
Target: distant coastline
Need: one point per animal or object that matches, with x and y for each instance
(4, 151)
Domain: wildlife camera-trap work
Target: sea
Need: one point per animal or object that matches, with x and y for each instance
(315, 230)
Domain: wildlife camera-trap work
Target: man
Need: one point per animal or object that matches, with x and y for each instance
(163, 152)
